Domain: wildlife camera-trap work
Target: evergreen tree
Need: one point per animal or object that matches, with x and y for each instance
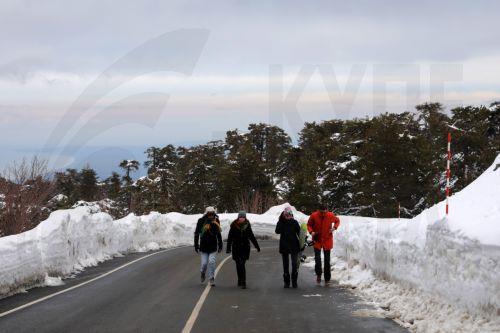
(199, 176)
(128, 166)
(113, 186)
(88, 188)
(475, 144)
(67, 183)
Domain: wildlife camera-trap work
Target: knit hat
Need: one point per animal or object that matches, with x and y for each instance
(288, 211)
(242, 213)
(209, 209)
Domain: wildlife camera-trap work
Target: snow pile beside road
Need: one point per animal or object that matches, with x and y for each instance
(456, 259)
(70, 240)
(411, 308)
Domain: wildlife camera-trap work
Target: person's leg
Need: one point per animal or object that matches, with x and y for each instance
(238, 270)
(295, 265)
(204, 263)
(327, 271)
(243, 274)
(212, 257)
(317, 262)
(286, 272)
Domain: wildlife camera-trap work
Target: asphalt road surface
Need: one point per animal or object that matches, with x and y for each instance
(161, 292)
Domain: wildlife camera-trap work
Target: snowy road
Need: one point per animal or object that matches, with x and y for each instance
(160, 292)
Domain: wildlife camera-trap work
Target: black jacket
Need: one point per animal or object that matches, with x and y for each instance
(238, 240)
(289, 231)
(207, 233)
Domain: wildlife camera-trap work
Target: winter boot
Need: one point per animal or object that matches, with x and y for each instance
(318, 279)
(243, 285)
(202, 277)
(286, 280)
(239, 283)
(294, 279)
(212, 282)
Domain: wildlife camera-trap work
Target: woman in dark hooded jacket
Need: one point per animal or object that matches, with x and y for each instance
(238, 243)
(289, 230)
(208, 241)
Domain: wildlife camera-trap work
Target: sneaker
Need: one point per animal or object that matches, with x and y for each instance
(202, 277)
(212, 282)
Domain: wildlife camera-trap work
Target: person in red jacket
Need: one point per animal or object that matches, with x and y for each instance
(321, 225)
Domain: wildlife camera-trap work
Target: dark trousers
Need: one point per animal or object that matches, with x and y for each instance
(240, 270)
(286, 263)
(317, 266)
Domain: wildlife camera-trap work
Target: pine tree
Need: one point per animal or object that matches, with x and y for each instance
(128, 166)
(199, 176)
(88, 188)
(473, 145)
(113, 186)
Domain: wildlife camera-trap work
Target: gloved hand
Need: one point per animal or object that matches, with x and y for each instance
(196, 249)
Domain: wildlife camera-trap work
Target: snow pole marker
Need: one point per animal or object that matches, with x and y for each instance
(448, 173)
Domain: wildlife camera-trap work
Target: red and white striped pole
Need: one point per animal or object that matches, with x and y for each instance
(448, 173)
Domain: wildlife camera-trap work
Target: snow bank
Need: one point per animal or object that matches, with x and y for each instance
(411, 308)
(456, 258)
(70, 240)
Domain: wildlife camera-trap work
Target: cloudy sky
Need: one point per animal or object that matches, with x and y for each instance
(77, 77)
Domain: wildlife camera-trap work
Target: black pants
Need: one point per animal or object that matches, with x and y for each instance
(286, 263)
(240, 270)
(317, 266)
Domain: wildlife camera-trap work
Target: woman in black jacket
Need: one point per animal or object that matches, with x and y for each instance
(208, 241)
(289, 230)
(238, 242)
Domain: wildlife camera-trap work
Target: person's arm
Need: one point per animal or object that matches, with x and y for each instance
(336, 223)
(252, 238)
(278, 226)
(229, 240)
(219, 237)
(310, 225)
(197, 236)
(297, 228)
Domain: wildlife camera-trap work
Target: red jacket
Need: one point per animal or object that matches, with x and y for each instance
(322, 226)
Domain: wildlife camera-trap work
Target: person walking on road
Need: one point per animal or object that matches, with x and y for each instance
(207, 242)
(289, 230)
(321, 225)
(238, 243)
